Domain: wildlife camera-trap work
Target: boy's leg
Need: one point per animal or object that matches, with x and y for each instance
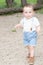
(31, 50)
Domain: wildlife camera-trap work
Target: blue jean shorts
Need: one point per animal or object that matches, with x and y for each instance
(30, 38)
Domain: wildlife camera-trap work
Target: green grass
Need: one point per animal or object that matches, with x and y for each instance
(13, 30)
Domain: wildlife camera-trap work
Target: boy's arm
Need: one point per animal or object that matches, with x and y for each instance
(18, 26)
(38, 29)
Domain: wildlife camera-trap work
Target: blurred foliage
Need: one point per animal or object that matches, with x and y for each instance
(16, 3)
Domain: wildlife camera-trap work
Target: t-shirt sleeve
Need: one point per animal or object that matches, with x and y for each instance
(36, 22)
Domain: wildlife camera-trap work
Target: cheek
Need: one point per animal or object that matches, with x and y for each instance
(31, 14)
(25, 14)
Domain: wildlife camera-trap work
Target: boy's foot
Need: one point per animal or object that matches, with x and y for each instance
(31, 61)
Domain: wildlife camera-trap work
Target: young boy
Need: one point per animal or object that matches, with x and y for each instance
(31, 28)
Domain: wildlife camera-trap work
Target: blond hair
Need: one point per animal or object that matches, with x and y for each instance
(29, 5)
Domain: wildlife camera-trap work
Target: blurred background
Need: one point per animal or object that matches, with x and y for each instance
(16, 5)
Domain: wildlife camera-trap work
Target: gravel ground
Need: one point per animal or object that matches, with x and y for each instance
(12, 50)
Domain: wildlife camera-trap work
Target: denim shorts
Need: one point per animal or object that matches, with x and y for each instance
(30, 38)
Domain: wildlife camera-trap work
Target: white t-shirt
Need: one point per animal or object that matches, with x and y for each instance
(29, 25)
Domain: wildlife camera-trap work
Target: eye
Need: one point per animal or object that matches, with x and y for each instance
(25, 12)
(30, 12)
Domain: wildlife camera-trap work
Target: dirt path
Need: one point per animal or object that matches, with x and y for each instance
(12, 51)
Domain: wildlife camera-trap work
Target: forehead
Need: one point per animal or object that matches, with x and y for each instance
(28, 9)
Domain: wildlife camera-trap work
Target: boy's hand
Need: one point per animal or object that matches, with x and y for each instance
(18, 26)
(38, 29)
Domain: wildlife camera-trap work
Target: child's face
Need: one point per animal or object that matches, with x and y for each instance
(28, 12)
